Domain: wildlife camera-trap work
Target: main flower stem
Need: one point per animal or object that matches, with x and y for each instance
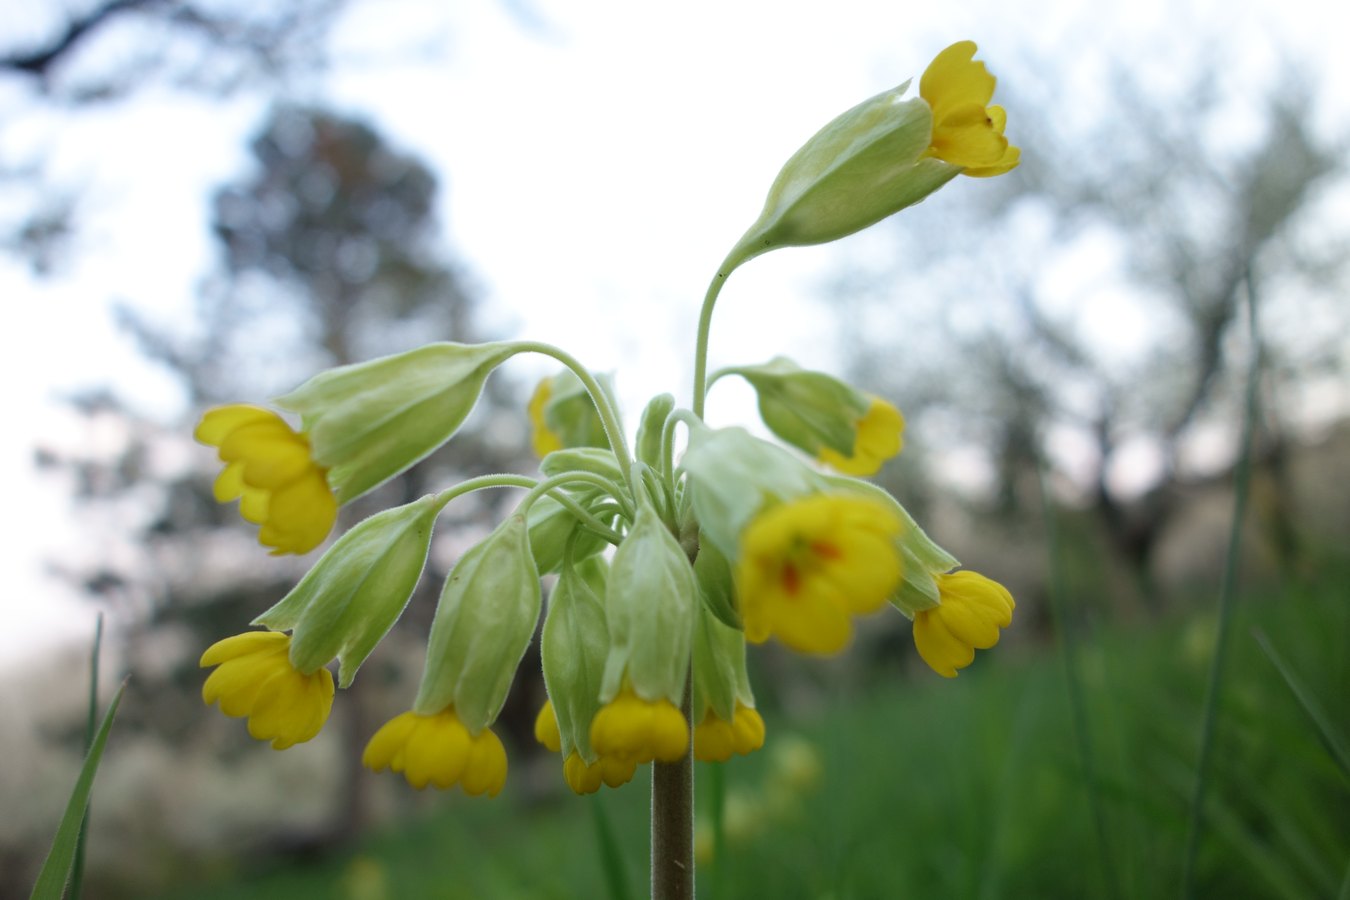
(673, 822)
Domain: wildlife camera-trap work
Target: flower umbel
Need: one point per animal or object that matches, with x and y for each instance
(254, 678)
(439, 750)
(967, 132)
(972, 610)
(269, 469)
(806, 565)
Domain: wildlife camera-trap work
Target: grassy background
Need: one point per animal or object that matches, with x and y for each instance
(969, 788)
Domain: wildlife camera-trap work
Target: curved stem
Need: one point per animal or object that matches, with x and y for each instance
(701, 346)
(609, 418)
(539, 488)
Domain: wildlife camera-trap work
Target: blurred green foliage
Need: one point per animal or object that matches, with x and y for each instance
(969, 788)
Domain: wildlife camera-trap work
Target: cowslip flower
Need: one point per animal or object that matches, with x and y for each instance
(716, 739)
(438, 749)
(254, 678)
(972, 610)
(270, 470)
(878, 436)
(629, 728)
(581, 777)
(806, 565)
(967, 131)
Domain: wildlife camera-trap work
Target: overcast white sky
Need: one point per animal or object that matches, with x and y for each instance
(597, 161)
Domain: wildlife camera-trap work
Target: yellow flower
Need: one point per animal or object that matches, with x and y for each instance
(256, 679)
(629, 728)
(546, 728)
(806, 565)
(972, 610)
(269, 468)
(608, 770)
(716, 739)
(438, 749)
(544, 439)
(580, 777)
(878, 438)
(967, 131)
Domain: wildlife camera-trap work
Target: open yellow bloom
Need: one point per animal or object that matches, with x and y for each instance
(629, 728)
(967, 131)
(439, 750)
(715, 739)
(805, 566)
(254, 678)
(879, 437)
(269, 469)
(972, 611)
(544, 439)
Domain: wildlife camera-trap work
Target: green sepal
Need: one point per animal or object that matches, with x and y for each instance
(650, 429)
(865, 165)
(357, 590)
(716, 586)
(570, 411)
(484, 621)
(809, 410)
(368, 422)
(551, 526)
(650, 602)
(573, 647)
(583, 459)
(733, 475)
(719, 673)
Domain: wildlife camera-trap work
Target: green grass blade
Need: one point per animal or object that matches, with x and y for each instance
(611, 855)
(90, 729)
(1227, 591)
(56, 871)
(1333, 739)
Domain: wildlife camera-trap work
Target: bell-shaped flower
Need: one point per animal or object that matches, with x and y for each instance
(883, 155)
(971, 611)
(354, 594)
(438, 749)
(370, 421)
(256, 679)
(270, 469)
(650, 608)
(828, 419)
(723, 704)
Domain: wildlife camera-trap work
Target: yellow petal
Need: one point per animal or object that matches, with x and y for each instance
(217, 423)
(953, 78)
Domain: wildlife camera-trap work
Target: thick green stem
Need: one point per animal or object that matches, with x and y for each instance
(673, 822)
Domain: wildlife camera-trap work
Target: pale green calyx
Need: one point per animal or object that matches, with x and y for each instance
(865, 165)
(650, 603)
(733, 474)
(809, 410)
(349, 600)
(551, 526)
(368, 422)
(650, 448)
(573, 648)
(569, 411)
(484, 621)
(719, 675)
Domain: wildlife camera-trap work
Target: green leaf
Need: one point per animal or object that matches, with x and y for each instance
(51, 881)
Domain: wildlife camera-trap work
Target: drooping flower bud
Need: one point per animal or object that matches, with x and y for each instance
(353, 595)
(370, 421)
(825, 417)
(484, 621)
(723, 704)
(573, 648)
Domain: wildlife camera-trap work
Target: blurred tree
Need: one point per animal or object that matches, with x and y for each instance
(70, 57)
(1087, 320)
(329, 256)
